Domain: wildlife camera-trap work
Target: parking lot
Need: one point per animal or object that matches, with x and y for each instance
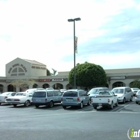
(23, 123)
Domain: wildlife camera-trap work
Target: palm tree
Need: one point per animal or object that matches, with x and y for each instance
(54, 72)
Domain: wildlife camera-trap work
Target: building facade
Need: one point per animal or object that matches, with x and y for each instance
(23, 69)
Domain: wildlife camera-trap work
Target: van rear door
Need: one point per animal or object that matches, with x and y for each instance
(39, 97)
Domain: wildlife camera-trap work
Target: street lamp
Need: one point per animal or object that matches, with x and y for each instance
(73, 20)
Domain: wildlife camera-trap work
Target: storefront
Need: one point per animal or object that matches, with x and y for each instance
(30, 69)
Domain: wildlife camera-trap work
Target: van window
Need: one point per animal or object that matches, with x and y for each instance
(128, 89)
(39, 94)
(30, 95)
(13, 94)
(59, 93)
(20, 94)
(81, 93)
(55, 93)
(118, 91)
(70, 94)
(50, 93)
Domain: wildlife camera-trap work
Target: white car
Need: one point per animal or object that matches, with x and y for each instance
(123, 93)
(5, 95)
(20, 98)
(104, 99)
(137, 97)
(134, 90)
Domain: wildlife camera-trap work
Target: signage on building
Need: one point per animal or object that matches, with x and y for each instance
(57, 79)
(9, 80)
(118, 78)
(44, 80)
(15, 65)
(37, 67)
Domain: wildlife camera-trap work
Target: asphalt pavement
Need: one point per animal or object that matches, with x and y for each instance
(44, 123)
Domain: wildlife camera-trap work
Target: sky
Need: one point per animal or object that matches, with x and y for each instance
(108, 33)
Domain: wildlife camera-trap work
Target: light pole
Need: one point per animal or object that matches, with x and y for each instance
(73, 20)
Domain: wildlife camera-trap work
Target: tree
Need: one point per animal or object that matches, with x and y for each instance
(20, 83)
(135, 84)
(54, 72)
(48, 73)
(17, 83)
(88, 75)
(29, 82)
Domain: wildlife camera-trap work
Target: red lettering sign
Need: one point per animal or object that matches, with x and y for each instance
(44, 80)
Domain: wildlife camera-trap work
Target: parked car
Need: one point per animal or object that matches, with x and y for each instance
(95, 91)
(46, 97)
(123, 93)
(137, 97)
(104, 99)
(134, 90)
(50, 88)
(62, 90)
(75, 97)
(32, 90)
(5, 95)
(24, 98)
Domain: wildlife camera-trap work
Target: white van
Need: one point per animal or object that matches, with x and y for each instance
(46, 97)
(123, 93)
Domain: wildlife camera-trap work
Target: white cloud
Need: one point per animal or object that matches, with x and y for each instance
(39, 30)
(115, 40)
(111, 61)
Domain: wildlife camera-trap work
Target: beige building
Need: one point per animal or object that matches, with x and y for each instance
(31, 69)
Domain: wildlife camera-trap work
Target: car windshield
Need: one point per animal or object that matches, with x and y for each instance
(39, 94)
(135, 88)
(5, 93)
(93, 91)
(20, 94)
(118, 91)
(138, 93)
(70, 93)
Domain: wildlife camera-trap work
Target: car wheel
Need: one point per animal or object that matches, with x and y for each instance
(36, 106)
(51, 104)
(81, 105)
(64, 107)
(14, 105)
(27, 103)
(124, 100)
(112, 105)
(0, 103)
